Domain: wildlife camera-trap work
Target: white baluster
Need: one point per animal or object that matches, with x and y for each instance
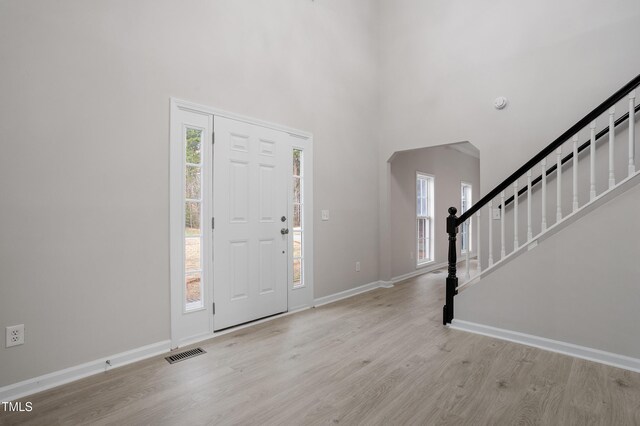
(515, 215)
(490, 234)
(544, 195)
(478, 241)
(632, 130)
(529, 229)
(503, 252)
(467, 275)
(575, 173)
(559, 184)
(592, 191)
(612, 137)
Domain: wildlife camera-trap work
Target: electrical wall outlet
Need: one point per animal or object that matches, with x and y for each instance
(357, 266)
(495, 214)
(325, 215)
(15, 335)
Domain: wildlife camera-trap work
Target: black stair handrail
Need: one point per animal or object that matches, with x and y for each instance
(599, 110)
(569, 156)
(453, 222)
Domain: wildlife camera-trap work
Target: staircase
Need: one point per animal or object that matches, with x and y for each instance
(586, 167)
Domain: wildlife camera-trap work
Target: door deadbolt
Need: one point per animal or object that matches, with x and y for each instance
(284, 231)
(283, 219)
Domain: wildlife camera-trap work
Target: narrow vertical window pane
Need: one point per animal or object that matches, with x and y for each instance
(297, 272)
(421, 239)
(427, 196)
(297, 244)
(193, 291)
(298, 232)
(192, 258)
(297, 190)
(192, 218)
(193, 265)
(297, 217)
(427, 239)
(193, 144)
(297, 162)
(193, 183)
(463, 239)
(465, 204)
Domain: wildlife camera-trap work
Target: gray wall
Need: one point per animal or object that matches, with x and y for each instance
(449, 167)
(84, 154)
(588, 292)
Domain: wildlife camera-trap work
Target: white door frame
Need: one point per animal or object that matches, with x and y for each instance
(299, 298)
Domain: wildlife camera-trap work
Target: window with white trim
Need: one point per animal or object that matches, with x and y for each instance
(465, 229)
(298, 219)
(424, 218)
(193, 226)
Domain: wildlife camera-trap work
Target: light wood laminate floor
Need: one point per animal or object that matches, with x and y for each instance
(382, 357)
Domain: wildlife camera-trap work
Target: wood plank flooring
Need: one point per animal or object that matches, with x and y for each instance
(380, 358)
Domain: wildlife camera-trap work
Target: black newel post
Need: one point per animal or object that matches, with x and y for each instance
(452, 279)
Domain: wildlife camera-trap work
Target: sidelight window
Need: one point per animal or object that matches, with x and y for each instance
(193, 226)
(298, 219)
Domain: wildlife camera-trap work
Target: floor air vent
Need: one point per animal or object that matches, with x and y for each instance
(185, 355)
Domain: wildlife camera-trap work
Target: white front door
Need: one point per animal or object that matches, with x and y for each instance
(250, 248)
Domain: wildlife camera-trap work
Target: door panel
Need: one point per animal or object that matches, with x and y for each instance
(250, 196)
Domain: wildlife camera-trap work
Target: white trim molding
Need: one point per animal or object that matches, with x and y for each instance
(421, 270)
(298, 298)
(424, 270)
(351, 292)
(199, 108)
(77, 372)
(582, 352)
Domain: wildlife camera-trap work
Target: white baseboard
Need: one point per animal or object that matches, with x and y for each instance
(590, 354)
(191, 340)
(351, 292)
(417, 272)
(57, 378)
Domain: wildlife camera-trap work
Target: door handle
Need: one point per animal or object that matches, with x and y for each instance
(284, 231)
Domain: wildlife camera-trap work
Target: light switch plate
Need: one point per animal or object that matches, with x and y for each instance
(325, 214)
(496, 214)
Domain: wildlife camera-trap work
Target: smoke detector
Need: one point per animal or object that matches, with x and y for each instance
(500, 102)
